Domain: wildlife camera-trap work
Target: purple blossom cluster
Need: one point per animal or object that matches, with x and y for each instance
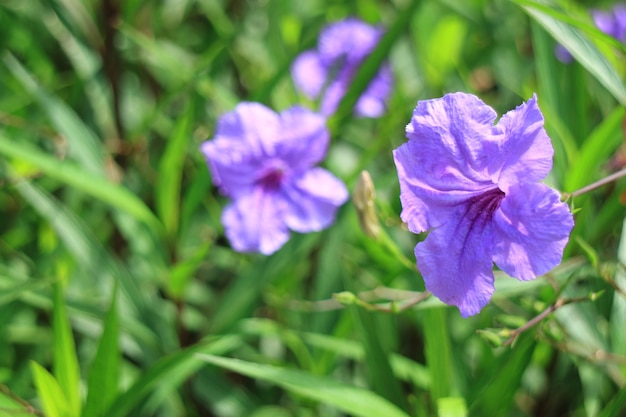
(326, 72)
(612, 22)
(474, 186)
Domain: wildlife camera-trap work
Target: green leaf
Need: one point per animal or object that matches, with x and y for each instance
(65, 368)
(50, 393)
(579, 46)
(618, 311)
(102, 385)
(171, 172)
(68, 173)
(438, 353)
(355, 401)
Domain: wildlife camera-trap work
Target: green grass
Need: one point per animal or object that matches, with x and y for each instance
(120, 295)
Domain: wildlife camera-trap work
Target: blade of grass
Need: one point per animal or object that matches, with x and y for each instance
(438, 353)
(353, 400)
(66, 370)
(50, 393)
(102, 385)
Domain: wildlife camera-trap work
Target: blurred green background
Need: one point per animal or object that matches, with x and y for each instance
(120, 296)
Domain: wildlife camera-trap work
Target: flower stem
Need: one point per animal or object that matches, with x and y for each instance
(613, 177)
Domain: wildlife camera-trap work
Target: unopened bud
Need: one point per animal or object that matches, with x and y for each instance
(363, 199)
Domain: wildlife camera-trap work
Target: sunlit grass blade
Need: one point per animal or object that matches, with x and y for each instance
(50, 393)
(84, 145)
(102, 385)
(579, 46)
(65, 369)
(352, 400)
(67, 172)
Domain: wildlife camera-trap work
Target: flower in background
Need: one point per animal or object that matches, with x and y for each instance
(475, 187)
(327, 71)
(612, 22)
(266, 163)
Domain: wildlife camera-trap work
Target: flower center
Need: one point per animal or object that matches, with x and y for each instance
(272, 177)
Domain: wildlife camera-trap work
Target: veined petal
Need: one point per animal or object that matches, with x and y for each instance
(254, 222)
(532, 227)
(526, 151)
(430, 187)
(305, 138)
(455, 260)
(312, 200)
(372, 101)
(309, 73)
(458, 130)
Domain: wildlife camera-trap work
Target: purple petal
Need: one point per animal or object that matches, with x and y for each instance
(254, 222)
(605, 21)
(304, 136)
(350, 40)
(459, 127)
(244, 138)
(313, 200)
(372, 102)
(309, 74)
(526, 152)
(455, 260)
(531, 230)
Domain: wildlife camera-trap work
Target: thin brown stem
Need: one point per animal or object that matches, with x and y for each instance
(613, 177)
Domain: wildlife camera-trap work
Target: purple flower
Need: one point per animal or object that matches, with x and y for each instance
(612, 22)
(327, 72)
(265, 162)
(474, 185)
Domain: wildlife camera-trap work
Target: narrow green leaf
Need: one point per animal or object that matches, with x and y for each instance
(68, 173)
(102, 385)
(65, 363)
(84, 145)
(579, 46)
(381, 376)
(171, 172)
(50, 393)
(451, 407)
(438, 353)
(352, 400)
(494, 393)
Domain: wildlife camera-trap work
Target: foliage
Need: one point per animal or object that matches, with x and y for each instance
(120, 296)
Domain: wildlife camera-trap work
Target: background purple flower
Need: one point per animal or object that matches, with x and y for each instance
(327, 72)
(474, 186)
(266, 162)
